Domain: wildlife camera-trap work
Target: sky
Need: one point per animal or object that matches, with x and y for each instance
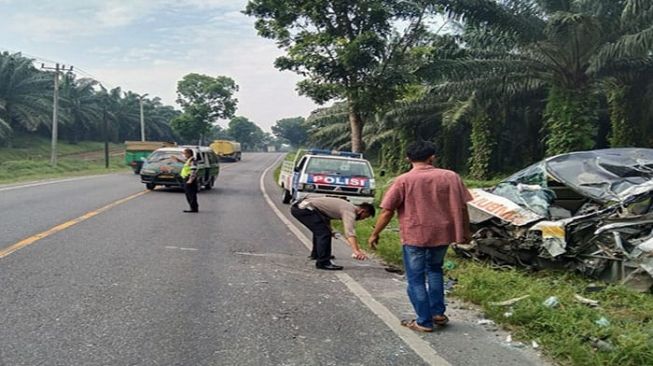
(146, 46)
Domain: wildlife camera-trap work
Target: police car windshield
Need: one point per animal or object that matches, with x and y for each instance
(342, 167)
(159, 156)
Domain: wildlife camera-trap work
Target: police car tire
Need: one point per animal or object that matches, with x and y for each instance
(150, 186)
(286, 196)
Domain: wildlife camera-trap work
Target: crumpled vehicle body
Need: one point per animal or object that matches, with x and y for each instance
(589, 211)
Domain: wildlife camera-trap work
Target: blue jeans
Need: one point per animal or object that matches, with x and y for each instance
(424, 265)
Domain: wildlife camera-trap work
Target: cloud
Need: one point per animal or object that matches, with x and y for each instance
(104, 51)
(147, 46)
(44, 28)
(69, 19)
(119, 13)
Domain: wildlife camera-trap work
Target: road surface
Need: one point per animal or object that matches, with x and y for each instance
(94, 271)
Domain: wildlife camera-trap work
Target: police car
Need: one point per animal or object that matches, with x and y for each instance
(328, 173)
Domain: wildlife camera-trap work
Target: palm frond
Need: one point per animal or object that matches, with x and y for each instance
(459, 111)
(378, 138)
(520, 19)
(5, 130)
(638, 45)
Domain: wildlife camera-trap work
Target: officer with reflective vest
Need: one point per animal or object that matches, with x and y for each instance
(189, 176)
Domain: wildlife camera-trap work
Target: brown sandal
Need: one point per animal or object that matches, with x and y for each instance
(412, 324)
(441, 320)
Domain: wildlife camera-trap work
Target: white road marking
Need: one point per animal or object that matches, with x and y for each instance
(181, 248)
(420, 346)
(252, 254)
(48, 182)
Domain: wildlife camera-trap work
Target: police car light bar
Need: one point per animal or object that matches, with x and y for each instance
(348, 154)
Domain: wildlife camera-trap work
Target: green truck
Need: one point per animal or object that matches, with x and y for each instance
(136, 152)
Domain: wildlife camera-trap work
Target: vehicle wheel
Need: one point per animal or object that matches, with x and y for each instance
(150, 186)
(286, 196)
(137, 171)
(210, 183)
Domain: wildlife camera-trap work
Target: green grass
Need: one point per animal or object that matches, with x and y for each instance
(290, 156)
(474, 183)
(567, 333)
(29, 159)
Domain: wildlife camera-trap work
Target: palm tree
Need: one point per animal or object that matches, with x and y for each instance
(328, 127)
(25, 95)
(626, 67)
(554, 42)
(123, 113)
(80, 107)
(158, 118)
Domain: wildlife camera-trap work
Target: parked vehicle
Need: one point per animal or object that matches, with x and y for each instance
(137, 151)
(227, 150)
(327, 173)
(161, 169)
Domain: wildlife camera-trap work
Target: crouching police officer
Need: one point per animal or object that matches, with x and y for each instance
(316, 214)
(189, 177)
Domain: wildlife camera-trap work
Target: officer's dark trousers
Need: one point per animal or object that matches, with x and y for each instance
(318, 225)
(191, 195)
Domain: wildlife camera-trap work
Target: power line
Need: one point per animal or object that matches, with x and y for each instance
(39, 59)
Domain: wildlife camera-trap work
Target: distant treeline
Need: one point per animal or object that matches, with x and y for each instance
(26, 100)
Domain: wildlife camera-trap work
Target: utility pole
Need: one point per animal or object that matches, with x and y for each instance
(55, 108)
(140, 98)
(105, 123)
(106, 136)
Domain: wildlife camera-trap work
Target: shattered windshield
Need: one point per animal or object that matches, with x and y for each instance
(527, 188)
(534, 174)
(160, 156)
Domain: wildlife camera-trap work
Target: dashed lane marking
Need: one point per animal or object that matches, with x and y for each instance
(48, 182)
(34, 238)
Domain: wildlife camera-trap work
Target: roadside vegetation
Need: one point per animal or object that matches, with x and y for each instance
(496, 84)
(29, 159)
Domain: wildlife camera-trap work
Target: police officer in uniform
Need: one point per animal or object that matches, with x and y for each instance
(189, 176)
(316, 214)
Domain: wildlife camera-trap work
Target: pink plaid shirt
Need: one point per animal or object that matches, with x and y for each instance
(431, 206)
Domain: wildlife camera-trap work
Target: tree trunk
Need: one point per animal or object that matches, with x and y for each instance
(483, 143)
(571, 120)
(622, 117)
(356, 125)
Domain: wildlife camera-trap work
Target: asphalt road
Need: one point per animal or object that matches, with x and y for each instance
(144, 284)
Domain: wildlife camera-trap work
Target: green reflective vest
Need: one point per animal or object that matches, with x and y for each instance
(185, 171)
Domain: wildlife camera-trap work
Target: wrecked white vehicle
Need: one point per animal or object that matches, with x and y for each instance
(589, 211)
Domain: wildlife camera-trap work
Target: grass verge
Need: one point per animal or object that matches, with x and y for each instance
(570, 333)
(29, 159)
(290, 156)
